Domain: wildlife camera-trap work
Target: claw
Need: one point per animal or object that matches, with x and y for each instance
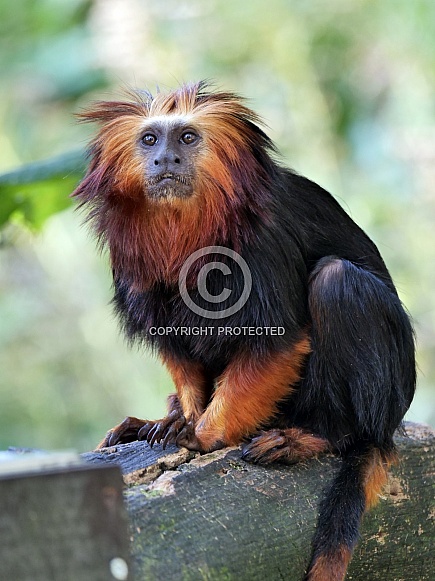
(113, 439)
(170, 434)
(144, 431)
(154, 434)
(126, 431)
(173, 430)
(165, 430)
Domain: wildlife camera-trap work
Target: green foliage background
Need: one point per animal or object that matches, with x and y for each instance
(347, 91)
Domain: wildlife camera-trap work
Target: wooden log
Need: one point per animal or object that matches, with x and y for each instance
(216, 517)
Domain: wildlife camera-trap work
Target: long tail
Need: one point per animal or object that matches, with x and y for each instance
(355, 489)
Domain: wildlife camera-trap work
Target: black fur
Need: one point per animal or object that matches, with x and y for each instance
(312, 268)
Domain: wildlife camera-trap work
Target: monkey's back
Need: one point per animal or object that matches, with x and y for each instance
(325, 228)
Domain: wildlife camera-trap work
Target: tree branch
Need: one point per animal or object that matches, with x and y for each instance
(217, 517)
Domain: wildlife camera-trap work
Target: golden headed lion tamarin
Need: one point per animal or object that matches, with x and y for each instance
(319, 354)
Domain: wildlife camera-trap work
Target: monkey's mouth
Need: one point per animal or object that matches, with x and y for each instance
(169, 185)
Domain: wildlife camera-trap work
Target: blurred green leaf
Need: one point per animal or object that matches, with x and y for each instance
(37, 190)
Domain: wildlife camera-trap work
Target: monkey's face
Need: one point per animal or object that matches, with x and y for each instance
(169, 146)
(179, 151)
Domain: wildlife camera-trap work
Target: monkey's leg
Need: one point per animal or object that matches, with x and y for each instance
(246, 396)
(360, 377)
(184, 408)
(357, 385)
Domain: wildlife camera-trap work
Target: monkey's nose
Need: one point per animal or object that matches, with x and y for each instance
(167, 162)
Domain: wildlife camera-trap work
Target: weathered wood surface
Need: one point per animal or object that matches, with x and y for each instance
(61, 520)
(216, 517)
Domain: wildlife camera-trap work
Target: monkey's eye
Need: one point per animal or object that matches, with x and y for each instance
(149, 139)
(188, 137)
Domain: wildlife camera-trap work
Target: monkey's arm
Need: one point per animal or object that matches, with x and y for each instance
(246, 396)
(192, 386)
(184, 409)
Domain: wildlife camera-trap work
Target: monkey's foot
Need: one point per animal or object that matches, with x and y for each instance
(288, 446)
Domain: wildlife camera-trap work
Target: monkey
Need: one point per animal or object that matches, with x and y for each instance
(192, 173)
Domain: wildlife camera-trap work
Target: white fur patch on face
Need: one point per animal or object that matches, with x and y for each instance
(168, 120)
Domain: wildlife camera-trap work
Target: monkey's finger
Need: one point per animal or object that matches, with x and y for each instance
(123, 433)
(105, 442)
(156, 433)
(144, 431)
(172, 432)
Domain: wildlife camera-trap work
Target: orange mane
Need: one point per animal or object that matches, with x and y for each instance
(149, 241)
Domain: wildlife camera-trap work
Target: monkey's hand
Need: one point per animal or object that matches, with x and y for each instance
(165, 431)
(169, 430)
